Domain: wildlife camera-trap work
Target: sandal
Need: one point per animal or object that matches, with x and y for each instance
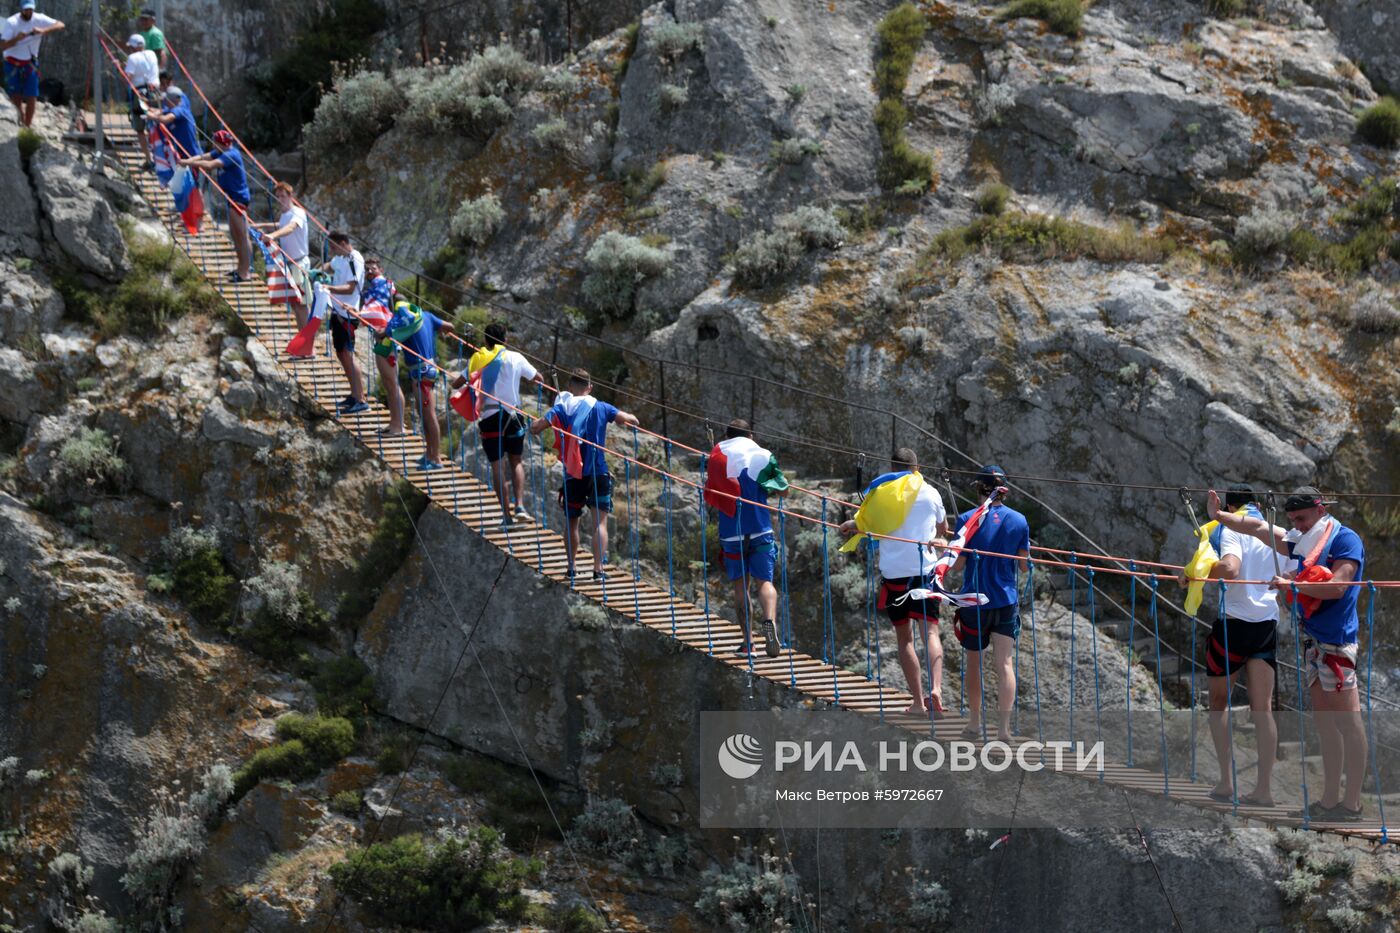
(1222, 798)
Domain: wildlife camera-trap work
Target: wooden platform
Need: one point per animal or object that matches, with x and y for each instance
(473, 503)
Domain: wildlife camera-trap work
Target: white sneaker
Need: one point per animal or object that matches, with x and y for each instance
(521, 514)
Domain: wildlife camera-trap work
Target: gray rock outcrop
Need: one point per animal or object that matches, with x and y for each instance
(80, 219)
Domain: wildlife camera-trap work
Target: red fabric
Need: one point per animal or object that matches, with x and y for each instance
(1315, 573)
(721, 492)
(463, 401)
(1338, 663)
(567, 447)
(304, 343)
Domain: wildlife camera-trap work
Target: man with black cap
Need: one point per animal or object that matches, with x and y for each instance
(155, 39)
(1325, 558)
(1244, 637)
(1006, 533)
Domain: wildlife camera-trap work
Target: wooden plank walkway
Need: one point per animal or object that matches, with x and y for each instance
(473, 503)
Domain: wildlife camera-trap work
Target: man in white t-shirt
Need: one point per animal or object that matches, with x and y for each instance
(1244, 638)
(143, 71)
(347, 270)
(289, 233)
(904, 567)
(20, 39)
(501, 425)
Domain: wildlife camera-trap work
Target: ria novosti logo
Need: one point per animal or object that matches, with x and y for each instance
(740, 756)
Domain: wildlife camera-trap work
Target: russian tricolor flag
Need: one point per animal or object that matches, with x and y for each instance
(188, 201)
(303, 344)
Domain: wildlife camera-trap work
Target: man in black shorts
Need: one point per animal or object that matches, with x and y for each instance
(501, 425)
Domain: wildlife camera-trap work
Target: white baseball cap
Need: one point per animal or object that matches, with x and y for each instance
(137, 41)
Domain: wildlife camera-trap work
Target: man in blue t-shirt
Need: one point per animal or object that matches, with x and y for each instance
(176, 117)
(415, 332)
(580, 424)
(1003, 531)
(233, 182)
(1325, 563)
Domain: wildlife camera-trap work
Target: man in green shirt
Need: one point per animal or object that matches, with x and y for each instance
(155, 39)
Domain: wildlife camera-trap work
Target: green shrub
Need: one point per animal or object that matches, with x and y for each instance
(327, 738)
(1260, 234)
(478, 219)
(1030, 237)
(282, 614)
(288, 760)
(1374, 313)
(898, 38)
(768, 257)
(813, 227)
(1063, 16)
(29, 143)
(793, 151)
(344, 687)
(1379, 124)
(309, 744)
(552, 134)
(393, 754)
(162, 286)
(757, 893)
(198, 575)
(348, 803)
(638, 185)
(629, 48)
(577, 919)
(559, 83)
(992, 198)
(1299, 886)
(1378, 201)
(670, 40)
(618, 264)
(452, 882)
(351, 117)
(91, 457)
(672, 96)
(474, 98)
(1226, 9)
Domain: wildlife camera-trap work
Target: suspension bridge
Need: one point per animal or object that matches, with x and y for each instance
(460, 489)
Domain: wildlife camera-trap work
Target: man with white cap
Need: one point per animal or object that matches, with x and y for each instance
(19, 40)
(143, 71)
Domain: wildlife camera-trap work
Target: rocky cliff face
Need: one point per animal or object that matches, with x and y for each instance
(1120, 362)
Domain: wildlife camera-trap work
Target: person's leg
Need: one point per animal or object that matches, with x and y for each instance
(571, 542)
(499, 484)
(389, 378)
(29, 103)
(238, 232)
(1218, 689)
(768, 599)
(1341, 711)
(1330, 737)
(600, 537)
(1260, 674)
(741, 608)
(352, 373)
(1004, 660)
(972, 680)
(517, 478)
(909, 664)
(432, 434)
(299, 312)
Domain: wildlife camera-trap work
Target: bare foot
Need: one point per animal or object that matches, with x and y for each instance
(1004, 737)
(916, 707)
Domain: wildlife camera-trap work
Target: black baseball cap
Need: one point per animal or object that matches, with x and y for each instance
(1239, 494)
(148, 13)
(1305, 497)
(991, 476)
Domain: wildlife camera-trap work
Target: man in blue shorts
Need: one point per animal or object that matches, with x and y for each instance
(20, 39)
(1325, 559)
(1003, 532)
(738, 479)
(415, 331)
(580, 424)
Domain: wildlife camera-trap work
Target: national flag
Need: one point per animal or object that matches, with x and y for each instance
(188, 201)
(280, 286)
(161, 157)
(886, 504)
(568, 428)
(733, 458)
(463, 400)
(304, 343)
(965, 534)
(961, 600)
(1204, 559)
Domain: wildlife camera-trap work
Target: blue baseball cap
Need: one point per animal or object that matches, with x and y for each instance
(27, 5)
(991, 476)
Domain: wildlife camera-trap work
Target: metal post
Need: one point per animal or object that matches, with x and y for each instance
(159, 8)
(665, 428)
(894, 436)
(97, 166)
(753, 400)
